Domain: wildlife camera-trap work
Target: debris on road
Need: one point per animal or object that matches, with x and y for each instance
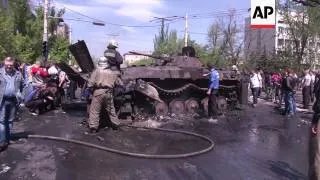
(213, 121)
(100, 139)
(305, 122)
(150, 123)
(62, 151)
(4, 168)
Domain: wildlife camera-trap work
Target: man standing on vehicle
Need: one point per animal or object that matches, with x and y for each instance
(11, 86)
(113, 56)
(213, 92)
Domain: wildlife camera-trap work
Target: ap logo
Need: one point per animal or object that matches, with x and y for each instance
(263, 13)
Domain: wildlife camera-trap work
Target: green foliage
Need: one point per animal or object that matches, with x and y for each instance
(6, 34)
(58, 49)
(21, 33)
(23, 48)
(165, 42)
(141, 62)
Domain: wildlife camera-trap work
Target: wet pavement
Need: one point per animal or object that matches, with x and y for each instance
(256, 143)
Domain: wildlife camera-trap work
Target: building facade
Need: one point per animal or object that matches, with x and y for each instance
(260, 42)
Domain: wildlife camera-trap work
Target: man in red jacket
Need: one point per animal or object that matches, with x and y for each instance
(38, 70)
(38, 74)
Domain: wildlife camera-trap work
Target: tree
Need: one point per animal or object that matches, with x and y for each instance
(167, 42)
(6, 34)
(161, 40)
(214, 36)
(58, 50)
(21, 32)
(21, 15)
(225, 44)
(232, 42)
(304, 26)
(296, 17)
(311, 3)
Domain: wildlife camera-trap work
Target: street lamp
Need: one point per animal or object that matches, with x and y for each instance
(96, 23)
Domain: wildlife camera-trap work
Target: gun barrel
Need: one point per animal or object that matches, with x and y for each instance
(151, 56)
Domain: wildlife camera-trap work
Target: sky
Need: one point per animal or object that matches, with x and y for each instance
(202, 13)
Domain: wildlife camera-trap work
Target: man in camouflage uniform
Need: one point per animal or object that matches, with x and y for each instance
(102, 82)
(113, 56)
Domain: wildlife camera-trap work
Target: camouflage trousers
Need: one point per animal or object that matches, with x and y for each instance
(101, 104)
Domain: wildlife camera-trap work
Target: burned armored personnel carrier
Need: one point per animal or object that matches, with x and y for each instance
(181, 85)
(178, 81)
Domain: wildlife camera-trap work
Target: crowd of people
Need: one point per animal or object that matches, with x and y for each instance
(282, 86)
(44, 87)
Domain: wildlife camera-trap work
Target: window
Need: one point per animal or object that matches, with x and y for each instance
(287, 31)
(280, 42)
(280, 29)
(281, 21)
(288, 44)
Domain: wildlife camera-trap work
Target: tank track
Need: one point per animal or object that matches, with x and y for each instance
(177, 91)
(184, 88)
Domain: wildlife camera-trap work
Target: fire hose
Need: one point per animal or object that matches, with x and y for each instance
(138, 155)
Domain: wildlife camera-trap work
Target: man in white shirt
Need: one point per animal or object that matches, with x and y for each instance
(306, 89)
(255, 86)
(53, 70)
(259, 74)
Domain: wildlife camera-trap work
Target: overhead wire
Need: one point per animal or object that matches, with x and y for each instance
(174, 19)
(121, 25)
(214, 14)
(109, 23)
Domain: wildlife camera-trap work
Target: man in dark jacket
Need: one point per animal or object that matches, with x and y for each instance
(113, 57)
(314, 160)
(289, 89)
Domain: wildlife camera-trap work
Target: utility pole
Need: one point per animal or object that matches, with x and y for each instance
(45, 31)
(70, 34)
(70, 42)
(186, 32)
(162, 20)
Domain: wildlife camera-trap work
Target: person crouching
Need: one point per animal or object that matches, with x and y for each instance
(41, 101)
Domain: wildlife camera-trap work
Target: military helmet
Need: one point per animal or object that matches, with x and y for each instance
(103, 62)
(113, 43)
(234, 68)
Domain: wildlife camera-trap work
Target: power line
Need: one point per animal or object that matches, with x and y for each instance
(109, 23)
(218, 15)
(215, 14)
(115, 24)
(219, 12)
(81, 14)
(212, 14)
(191, 16)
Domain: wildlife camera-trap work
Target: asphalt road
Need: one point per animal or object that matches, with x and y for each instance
(257, 143)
